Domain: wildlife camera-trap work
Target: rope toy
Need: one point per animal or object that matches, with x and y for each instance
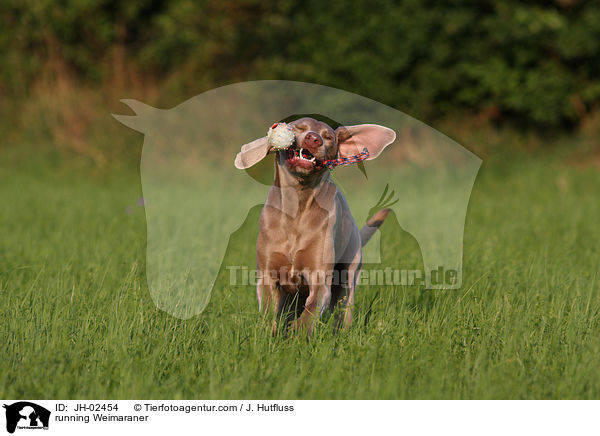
(332, 163)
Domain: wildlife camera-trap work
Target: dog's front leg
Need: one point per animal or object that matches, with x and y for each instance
(263, 292)
(319, 299)
(269, 296)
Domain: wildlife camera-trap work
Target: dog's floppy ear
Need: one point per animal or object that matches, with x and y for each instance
(353, 139)
(252, 153)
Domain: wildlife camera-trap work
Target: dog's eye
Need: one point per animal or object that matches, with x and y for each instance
(301, 127)
(327, 136)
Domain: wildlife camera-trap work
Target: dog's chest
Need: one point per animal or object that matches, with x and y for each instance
(297, 242)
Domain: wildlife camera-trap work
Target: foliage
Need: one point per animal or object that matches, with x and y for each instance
(535, 62)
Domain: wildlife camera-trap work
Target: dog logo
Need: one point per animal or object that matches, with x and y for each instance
(26, 415)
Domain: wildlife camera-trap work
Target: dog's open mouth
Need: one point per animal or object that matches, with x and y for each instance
(304, 154)
(301, 157)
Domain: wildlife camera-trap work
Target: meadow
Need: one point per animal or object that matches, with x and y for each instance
(77, 320)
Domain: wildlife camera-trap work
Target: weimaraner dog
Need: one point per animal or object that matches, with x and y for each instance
(308, 251)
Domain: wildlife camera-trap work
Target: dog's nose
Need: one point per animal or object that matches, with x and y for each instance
(312, 141)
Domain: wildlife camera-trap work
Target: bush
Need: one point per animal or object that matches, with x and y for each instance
(534, 62)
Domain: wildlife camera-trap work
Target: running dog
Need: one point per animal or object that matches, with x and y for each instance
(308, 251)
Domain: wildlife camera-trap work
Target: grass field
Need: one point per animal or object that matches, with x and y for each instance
(77, 320)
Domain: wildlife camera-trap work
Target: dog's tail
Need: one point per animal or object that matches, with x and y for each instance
(372, 225)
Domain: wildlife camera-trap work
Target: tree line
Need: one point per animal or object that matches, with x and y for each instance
(533, 62)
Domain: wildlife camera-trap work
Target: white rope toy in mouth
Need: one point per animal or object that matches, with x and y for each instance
(281, 136)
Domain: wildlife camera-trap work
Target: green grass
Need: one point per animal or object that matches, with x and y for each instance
(77, 319)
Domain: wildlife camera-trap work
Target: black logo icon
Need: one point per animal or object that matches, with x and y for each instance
(26, 415)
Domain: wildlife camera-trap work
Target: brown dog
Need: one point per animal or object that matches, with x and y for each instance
(308, 251)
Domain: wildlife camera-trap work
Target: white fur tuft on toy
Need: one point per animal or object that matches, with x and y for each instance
(281, 136)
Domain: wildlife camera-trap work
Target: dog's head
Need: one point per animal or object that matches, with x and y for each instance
(315, 142)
